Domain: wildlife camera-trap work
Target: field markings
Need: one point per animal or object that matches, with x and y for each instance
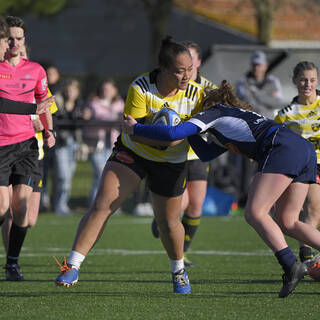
(44, 252)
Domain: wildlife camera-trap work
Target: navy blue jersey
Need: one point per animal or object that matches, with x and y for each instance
(236, 129)
(276, 148)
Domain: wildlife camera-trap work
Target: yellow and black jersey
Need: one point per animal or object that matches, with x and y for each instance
(303, 120)
(144, 101)
(204, 83)
(39, 136)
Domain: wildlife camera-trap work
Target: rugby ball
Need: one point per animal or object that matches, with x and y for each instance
(166, 117)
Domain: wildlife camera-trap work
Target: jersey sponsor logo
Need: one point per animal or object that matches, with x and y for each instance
(6, 76)
(13, 85)
(311, 114)
(315, 127)
(124, 157)
(258, 121)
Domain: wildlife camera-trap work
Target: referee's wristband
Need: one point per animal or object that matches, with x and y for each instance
(53, 132)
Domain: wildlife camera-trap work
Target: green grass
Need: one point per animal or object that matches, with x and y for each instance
(127, 274)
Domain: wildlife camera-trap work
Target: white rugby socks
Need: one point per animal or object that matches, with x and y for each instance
(75, 259)
(176, 265)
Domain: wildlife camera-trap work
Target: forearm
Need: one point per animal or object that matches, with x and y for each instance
(153, 142)
(204, 150)
(166, 133)
(46, 119)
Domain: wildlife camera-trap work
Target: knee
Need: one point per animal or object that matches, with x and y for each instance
(313, 214)
(286, 225)
(249, 218)
(31, 223)
(167, 225)
(4, 207)
(253, 217)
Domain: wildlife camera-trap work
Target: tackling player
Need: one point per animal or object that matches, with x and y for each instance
(286, 167)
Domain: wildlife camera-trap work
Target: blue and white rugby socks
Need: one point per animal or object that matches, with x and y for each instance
(75, 259)
(176, 265)
(286, 258)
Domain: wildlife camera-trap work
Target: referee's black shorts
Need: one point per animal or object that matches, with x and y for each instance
(18, 163)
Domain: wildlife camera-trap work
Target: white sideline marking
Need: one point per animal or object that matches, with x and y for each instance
(46, 252)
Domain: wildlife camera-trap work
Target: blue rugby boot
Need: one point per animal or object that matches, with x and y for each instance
(181, 282)
(68, 276)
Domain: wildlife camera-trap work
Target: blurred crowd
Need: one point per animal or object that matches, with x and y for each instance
(77, 143)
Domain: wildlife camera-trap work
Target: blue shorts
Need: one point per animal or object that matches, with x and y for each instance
(288, 153)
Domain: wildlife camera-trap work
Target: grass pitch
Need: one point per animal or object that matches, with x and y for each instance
(127, 276)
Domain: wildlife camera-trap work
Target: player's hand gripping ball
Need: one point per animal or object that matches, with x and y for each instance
(314, 270)
(166, 117)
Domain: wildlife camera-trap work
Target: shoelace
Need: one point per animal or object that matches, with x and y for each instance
(181, 279)
(63, 268)
(314, 267)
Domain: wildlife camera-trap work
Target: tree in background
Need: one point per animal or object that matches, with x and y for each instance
(38, 7)
(158, 12)
(265, 10)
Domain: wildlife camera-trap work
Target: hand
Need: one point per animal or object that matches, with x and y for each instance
(37, 125)
(44, 105)
(49, 139)
(128, 125)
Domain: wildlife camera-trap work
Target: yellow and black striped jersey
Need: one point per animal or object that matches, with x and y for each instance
(303, 120)
(144, 101)
(204, 83)
(39, 136)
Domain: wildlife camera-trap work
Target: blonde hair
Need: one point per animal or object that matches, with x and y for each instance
(225, 94)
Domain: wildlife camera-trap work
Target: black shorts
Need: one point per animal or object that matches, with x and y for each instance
(37, 177)
(163, 178)
(18, 163)
(197, 170)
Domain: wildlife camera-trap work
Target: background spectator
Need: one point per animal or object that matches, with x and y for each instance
(107, 105)
(70, 108)
(54, 85)
(262, 91)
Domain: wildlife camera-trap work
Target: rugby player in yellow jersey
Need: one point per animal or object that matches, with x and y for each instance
(197, 171)
(302, 116)
(169, 85)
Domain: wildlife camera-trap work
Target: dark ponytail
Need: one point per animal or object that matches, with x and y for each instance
(169, 50)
